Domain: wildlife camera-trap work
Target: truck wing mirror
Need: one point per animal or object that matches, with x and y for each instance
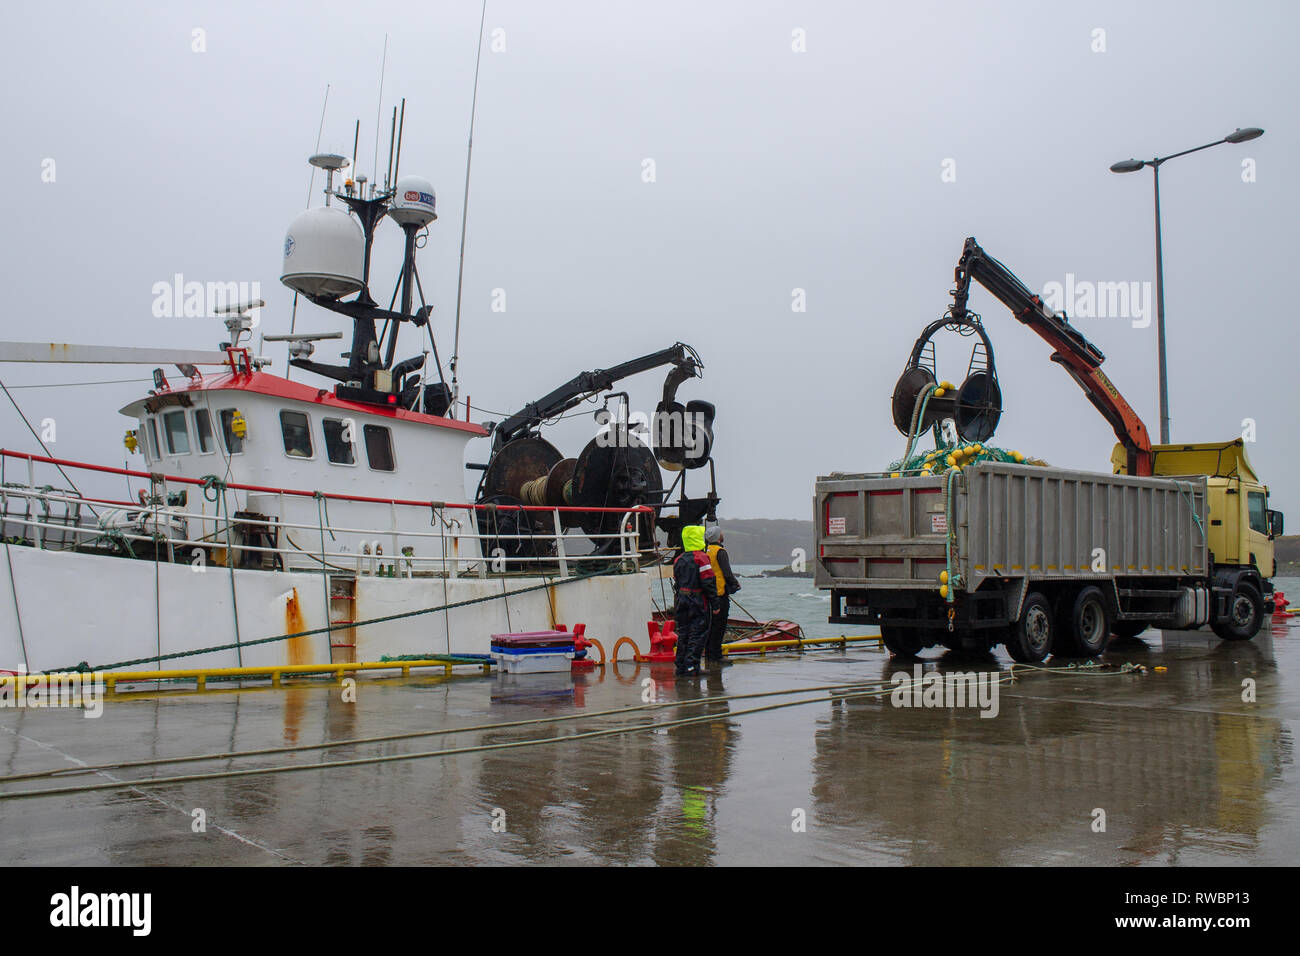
(1275, 524)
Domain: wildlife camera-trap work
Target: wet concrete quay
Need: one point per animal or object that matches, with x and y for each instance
(1184, 769)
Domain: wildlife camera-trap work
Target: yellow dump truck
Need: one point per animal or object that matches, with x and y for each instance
(992, 551)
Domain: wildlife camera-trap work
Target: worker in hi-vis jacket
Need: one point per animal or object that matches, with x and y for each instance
(697, 598)
(726, 585)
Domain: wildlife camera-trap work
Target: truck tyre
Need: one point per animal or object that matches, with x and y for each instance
(1086, 626)
(1029, 639)
(902, 641)
(1127, 630)
(1245, 614)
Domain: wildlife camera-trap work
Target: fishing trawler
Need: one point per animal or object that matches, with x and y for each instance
(287, 522)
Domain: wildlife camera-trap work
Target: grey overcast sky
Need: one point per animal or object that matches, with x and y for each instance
(853, 170)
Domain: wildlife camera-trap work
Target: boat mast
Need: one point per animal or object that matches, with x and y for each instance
(464, 218)
(311, 187)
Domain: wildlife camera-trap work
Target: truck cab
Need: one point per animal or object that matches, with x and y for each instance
(1240, 530)
(1241, 525)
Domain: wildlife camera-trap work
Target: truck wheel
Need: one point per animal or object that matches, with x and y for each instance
(1087, 627)
(1127, 630)
(1029, 639)
(902, 641)
(1245, 614)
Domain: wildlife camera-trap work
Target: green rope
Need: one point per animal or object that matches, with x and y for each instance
(212, 486)
(114, 536)
(1191, 505)
(13, 588)
(324, 565)
(950, 535)
(323, 512)
(962, 454)
(918, 415)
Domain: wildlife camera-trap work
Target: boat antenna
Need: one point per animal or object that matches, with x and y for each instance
(356, 137)
(464, 218)
(311, 187)
(379, 108)
(401, 122)
(392, 139)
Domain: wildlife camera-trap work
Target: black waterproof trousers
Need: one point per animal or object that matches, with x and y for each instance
(692, 619)
(718, 630)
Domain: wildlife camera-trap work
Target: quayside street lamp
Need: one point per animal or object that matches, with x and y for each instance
(1132, 166)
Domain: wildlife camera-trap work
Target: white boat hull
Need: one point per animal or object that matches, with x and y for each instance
(65, 608)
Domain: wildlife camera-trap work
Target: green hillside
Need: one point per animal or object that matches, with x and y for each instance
(766, 541)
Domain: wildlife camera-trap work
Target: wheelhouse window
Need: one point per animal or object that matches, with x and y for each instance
(152, 433)
(297, 434)
(203, 430)
(379, 447)
(234, 444)
(177, 435)
(338, 445)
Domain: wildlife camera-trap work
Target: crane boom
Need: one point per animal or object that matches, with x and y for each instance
(573, 392)
(1080, 358)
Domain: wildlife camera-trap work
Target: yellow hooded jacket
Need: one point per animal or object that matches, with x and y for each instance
(693, 537)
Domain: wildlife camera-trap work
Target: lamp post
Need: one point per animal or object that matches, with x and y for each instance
(1132, 166)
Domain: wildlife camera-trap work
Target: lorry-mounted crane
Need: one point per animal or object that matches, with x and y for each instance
(1045, 559)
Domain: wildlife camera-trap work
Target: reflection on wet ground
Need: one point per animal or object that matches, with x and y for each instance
(1184, 770)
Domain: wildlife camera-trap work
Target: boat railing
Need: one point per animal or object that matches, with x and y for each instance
(446, 539)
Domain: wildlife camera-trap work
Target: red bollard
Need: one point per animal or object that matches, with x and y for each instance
(580, 645)
(663, 644)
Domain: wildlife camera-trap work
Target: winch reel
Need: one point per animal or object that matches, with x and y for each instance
(974, 407)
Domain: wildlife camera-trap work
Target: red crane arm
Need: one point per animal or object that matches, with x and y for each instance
(1079, 357)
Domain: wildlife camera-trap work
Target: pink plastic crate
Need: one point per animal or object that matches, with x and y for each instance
(534, 639)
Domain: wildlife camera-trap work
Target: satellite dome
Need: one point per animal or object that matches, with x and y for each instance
(324, 250)
(413, 202)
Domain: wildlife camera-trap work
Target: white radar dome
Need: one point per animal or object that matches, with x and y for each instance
(413, 202)
(324, 251)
